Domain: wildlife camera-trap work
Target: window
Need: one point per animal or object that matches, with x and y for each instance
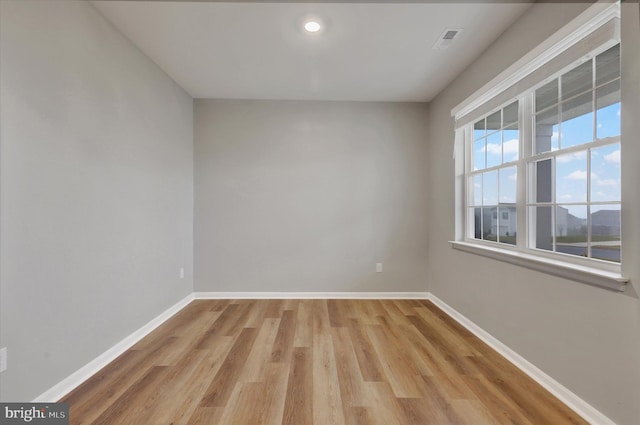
(570, 161)
(493, 175)
(574, 170)
(540, 176)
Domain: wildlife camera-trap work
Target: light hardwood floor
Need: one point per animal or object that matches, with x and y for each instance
(322, 362)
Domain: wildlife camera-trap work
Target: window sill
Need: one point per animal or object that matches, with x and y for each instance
(592, 276)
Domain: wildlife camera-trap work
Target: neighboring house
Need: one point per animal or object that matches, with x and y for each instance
(568, 224)
(504, 220)
(500, 220)
(605, 222)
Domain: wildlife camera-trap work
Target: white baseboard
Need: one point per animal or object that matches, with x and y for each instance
(65, 386)
(575, 403)
(311, 295)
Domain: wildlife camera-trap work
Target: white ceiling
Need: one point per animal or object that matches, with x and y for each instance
(366, 52)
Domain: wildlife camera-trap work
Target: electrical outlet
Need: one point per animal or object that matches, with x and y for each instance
(181, 272)
(3, 359)
(378, 267)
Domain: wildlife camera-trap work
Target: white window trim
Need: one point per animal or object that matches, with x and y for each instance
(589, 275)
(579, 28)
(591, 272)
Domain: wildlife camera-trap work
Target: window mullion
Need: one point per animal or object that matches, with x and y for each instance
(525, 123)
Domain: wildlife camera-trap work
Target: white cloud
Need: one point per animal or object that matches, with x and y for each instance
(613, 157)
(566, 197)
(563, 159)
(513, 177)
(578, 175)
(511, 146)
(581, 175)
(493, 148)
(608, 182)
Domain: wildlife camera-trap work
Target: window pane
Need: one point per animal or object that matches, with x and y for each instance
(476, 190)
(494, 122)
(479, 156)
(547, 131)
(490, 223)
(490, 188)
(544, 181)
(605, 174)
(510, 114)
(571, 177)
(577, 81)
(510, 143)
(571, 230)
(605, 232)
(479, 130)
(494, 149)
(547, 95)
(608, 65)
(542, 217)
(477, 222)
(508, 184)
(507, 224)
(577, 121)
(608, 110)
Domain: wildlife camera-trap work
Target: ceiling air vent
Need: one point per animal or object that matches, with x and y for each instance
(446, 38)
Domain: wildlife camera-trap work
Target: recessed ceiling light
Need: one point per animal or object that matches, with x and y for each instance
(312, 26)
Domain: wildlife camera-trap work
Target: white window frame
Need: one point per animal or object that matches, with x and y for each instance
(499, 93)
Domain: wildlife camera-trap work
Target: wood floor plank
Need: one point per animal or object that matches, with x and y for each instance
(258, 314)
(160, 405)
(313, 362)
(320, 318)
(284, 339)
(395, 314)
(219, 328)
(472, 412)
(192, 391)
(337, 316)
(365, 353)
(502, 408)
(402, 375)
(260, 356)
(206, 416)
(133, 402)
(358, 416)
(327, 401)
(439, 365)
(220, 388)
(106, 385)
(304, 325)
(450, 339)
(384, 407)
(274, 309)
(277, 379)
(298, 408)
(350, 378)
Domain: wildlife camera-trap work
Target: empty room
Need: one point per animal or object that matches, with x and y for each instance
(331, 212)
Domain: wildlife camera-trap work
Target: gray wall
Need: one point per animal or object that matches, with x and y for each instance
(308, 196)
(586, 338)
(96, 191)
